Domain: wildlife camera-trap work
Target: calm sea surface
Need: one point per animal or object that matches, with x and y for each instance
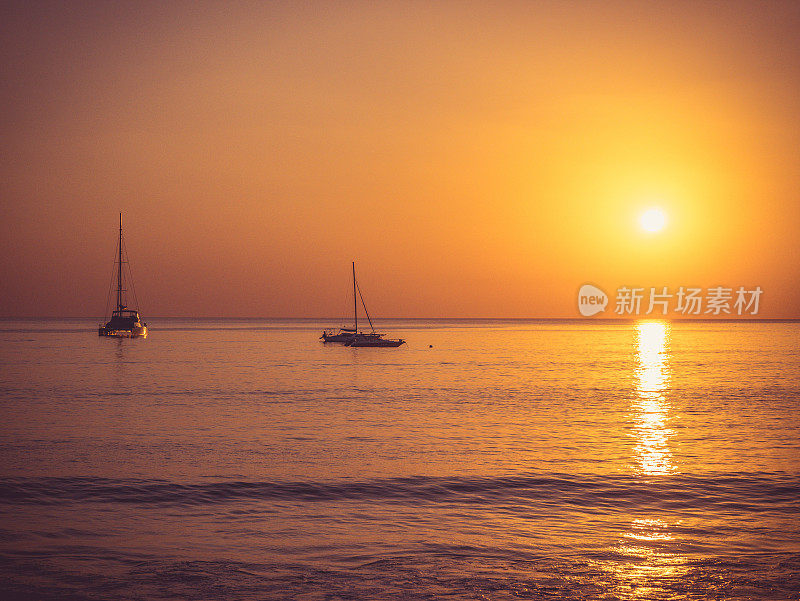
(245, 460)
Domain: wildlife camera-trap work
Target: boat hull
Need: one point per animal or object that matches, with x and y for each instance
(345, 336)
(336, 337)
(137, 332)
(375, 343)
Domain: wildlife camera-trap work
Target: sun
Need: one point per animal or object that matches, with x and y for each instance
(653, 220)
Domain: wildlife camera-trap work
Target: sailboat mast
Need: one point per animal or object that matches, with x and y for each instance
(355, 300)
(119, 267)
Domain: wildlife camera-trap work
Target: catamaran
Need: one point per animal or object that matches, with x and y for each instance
(124, 322)
(351, 336)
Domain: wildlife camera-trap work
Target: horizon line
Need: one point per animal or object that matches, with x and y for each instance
(576, 318)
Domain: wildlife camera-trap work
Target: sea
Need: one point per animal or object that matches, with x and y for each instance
(483, 459)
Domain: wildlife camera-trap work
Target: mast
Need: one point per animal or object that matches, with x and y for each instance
(119, 267)
(355, 300)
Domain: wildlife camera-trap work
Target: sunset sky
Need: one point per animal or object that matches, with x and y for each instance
(474, 159)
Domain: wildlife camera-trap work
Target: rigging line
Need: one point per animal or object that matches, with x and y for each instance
(363, 304)
(120, 272)
(343, 314)
(130, 275)
(110, 286)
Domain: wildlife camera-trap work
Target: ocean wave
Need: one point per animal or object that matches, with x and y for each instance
(756, 492)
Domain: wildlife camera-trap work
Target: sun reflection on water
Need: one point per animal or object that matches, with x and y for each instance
(644, 562)
(649, 565)
(650, 407)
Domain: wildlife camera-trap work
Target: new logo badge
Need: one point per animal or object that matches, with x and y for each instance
(591, 300)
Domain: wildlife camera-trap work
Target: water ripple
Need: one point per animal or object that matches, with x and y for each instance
(739, 492)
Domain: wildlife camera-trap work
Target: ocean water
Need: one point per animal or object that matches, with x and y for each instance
(245, 460)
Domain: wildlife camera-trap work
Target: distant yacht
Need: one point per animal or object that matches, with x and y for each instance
(351, 336)
(124, 322)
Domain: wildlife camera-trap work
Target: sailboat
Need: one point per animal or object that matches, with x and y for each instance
(351, 336)
(124, 322)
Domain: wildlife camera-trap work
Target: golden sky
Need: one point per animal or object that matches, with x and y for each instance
(475, 159)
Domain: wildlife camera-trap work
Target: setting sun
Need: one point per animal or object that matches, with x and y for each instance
(653, 220)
